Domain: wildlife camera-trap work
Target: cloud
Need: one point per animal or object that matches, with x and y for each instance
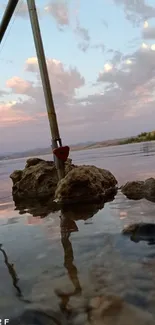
(82, 32)
(124, 89)
(59, 11)
(3, 92)
(149, 33)
(136, 11)
(127, 88)
(18, 85)
(9, 116)
(83, 35)
(99, 46)
(137, 69)
(21, 10)
(122, 101)
(64, 83)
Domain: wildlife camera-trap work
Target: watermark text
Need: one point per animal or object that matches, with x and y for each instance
(4, 321)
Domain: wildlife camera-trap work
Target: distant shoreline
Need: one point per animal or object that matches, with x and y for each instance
(47, 151)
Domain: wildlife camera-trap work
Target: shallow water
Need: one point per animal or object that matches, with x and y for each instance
(91, 256)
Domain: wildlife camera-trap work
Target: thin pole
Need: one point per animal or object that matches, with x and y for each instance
(56, 140)
(11, 6)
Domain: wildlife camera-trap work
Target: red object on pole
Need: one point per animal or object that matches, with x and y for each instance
(62, 153)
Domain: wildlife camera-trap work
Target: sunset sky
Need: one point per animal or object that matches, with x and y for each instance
(101, 62)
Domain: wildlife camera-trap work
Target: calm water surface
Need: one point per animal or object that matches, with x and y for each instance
(53, 266)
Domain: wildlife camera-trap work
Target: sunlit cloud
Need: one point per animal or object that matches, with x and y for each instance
(145, 46)
(146, 25)
(108, 67)
(128, 61)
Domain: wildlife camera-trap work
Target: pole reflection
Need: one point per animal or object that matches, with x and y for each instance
(67, 226)
(12, 272)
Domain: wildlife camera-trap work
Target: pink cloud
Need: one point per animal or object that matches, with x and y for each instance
(9, 116)
(18, 85)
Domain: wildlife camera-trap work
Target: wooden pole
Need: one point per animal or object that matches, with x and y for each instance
(56, 140)
(11, 6)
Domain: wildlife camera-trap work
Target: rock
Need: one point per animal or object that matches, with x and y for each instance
(33, 161)
(112, 310)
(133, 190)
(149, 189)
(16, 176)
(85, 184)
(141, 231)
(38, 180)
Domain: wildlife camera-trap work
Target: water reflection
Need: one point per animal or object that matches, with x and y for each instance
(141, 232)
(12, 272)
(68, 226)
(36, 208)
(148, 148)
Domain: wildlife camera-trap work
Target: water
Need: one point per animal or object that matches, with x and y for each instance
(57, 268)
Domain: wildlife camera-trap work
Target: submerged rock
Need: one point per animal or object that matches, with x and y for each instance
(141, 232)
(99, 310)
(86, 184)
(137, 190)
(39, 181)
(112, 310)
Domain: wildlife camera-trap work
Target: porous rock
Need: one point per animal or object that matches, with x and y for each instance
(149, 189)
(133, 190)
(137, 190)
(37, 180)
(85, 184)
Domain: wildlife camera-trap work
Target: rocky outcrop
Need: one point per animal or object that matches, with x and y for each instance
(86, 184)
(141, 232)
(39, 181)
(137, 190)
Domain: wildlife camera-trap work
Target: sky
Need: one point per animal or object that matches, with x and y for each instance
(101, 63)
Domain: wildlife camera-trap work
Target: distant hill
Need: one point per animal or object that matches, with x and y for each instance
(142, 137)
(145, 136)
(45, 151)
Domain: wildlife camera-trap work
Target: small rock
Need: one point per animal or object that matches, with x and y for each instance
(133, 190)
(149, 189)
